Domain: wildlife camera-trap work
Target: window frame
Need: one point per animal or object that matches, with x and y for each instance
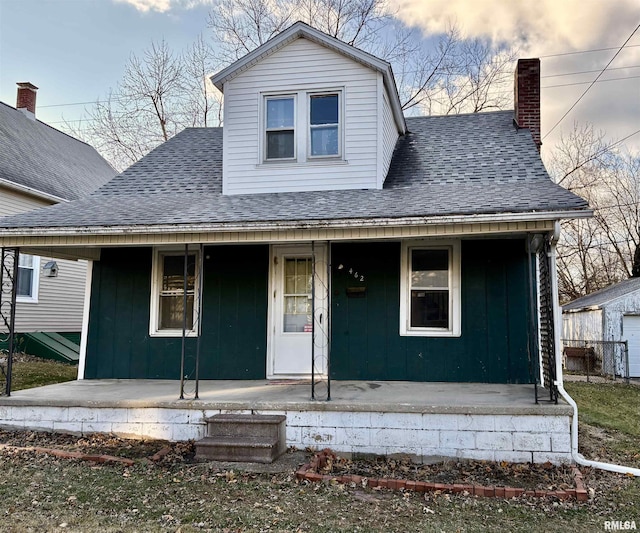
(35, 280)
(310, 127)
(302, 127)
(454, 270)
(157, 270)
(266, 130)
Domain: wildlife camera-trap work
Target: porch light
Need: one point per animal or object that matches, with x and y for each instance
(50, 269)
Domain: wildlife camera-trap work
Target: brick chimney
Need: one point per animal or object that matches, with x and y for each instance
(27, 98)
(526, 99)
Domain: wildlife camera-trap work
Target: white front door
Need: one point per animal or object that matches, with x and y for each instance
(631, 329)
(291, 313)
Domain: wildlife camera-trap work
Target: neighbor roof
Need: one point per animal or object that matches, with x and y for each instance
(452, 165)
(36, 156)
(603, 296)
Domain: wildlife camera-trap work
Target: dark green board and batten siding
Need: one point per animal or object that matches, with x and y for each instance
(365, 330)
(234, 340)
(493, 345)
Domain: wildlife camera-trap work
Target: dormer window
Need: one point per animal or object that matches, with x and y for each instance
(303, 127)
(280, 128)
(324, 125)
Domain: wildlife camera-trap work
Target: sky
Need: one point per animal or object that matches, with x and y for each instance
(76, 50)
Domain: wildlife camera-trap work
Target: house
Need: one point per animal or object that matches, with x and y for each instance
(608, 317)
(321, 234)
(41, 166)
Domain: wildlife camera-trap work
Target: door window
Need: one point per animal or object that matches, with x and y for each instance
(297, 295)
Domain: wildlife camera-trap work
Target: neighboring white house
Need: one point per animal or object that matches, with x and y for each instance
(41, 166)
(611, 314)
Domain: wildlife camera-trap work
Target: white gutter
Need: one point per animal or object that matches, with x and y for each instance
(577, 457)
(31, 191)
(294, 224)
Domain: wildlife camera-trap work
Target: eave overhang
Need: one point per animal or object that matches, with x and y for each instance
(285, 231)
(31, 191)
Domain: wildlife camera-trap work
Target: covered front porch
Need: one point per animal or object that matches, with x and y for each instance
(498, 422)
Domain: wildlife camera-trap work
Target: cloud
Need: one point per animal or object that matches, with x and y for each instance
(162, 6)
(543, 27)
(148, 5)
(538, 27)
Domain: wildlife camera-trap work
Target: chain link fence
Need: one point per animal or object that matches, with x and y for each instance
(608, 359)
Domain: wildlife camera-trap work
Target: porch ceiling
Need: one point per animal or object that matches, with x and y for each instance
(355, 396)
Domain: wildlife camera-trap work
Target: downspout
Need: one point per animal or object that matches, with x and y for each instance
(577, 457)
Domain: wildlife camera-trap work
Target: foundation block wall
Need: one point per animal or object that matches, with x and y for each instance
(492, 437)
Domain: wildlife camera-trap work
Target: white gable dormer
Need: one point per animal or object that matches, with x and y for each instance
(307, 112)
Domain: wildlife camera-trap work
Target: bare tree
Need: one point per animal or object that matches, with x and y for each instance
(456, 76)
(203, 105)
(161, 93)
(597, 252)
(152, 86)
(618, 210)
(240, 26)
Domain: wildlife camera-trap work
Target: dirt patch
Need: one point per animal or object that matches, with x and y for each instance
(527, 476)
(101, 444)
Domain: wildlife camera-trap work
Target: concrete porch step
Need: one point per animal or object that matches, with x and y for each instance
(244, 449)
(240, 437)
(239, 425)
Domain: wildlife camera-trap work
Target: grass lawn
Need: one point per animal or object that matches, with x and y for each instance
(609, 421)
(608, 405)
(29, 372)
(44, 493)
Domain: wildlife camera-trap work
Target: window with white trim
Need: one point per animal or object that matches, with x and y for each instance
(430, 289)
(280, 128)
(28, 277)
(168, 291)
(303, 126)
(324, 125)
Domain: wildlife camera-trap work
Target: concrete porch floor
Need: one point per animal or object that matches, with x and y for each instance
(262, 395)
(467, 420)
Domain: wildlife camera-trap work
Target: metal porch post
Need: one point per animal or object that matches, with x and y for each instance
(313, 320)
(199, 331)
(534, 353)
(184, 317)
(9, 287)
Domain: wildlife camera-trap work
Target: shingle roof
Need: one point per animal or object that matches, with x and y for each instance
(453, 165)
(598, 298)
(35, 155)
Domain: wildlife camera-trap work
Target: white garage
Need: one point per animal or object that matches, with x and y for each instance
(611, 314)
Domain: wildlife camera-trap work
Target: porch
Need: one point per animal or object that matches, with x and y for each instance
(497, 422)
